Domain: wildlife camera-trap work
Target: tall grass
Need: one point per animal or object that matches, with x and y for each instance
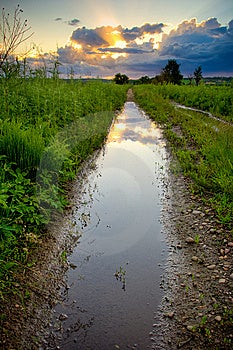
(47, 128)
(23, 147)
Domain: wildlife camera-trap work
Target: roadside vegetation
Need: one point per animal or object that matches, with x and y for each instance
(203, 146)
(218, 100)
(47, 128)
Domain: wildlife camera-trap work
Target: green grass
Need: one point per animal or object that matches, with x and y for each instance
(203, 146)
(48, 127)
(217, 100)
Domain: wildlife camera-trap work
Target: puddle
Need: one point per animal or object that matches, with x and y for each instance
(113, 283)
(203, 112)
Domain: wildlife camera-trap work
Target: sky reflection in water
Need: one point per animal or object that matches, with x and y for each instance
(120, 225)
(127, 199)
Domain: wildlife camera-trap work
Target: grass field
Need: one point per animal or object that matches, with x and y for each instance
(203, 146)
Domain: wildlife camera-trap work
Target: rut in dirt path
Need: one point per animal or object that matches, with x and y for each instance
(115, 270)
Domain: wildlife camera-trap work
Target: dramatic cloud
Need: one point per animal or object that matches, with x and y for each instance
(144, 50)
(137, 32)
(207, 44)
(90, 37)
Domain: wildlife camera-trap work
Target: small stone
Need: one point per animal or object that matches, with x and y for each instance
(218, 318)
(194, 258)
(170, 314)
(63, 317)
(230, 244)
(227, 251)
(189, 240)
(196, 212)
(190, 328)
(222, 281)
(211, 267)
(231, 276)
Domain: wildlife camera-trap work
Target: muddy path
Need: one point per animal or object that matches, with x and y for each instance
(196, 280)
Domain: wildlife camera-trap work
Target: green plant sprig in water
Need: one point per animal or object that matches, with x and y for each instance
(121, 276)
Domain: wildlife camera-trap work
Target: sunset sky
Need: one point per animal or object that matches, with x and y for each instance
(104, 37)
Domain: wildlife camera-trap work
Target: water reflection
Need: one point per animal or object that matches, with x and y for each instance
(133, 125)
(121, 233)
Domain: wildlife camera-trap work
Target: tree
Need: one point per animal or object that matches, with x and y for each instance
(144, 80)
(121, 79)
(197, 75)
(171, 73)
(13, 32)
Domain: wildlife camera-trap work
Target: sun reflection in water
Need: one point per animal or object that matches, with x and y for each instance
(117, 132)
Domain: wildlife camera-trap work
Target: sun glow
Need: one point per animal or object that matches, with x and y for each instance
(117, 132)
(121, 44)
(76, 46)
(154, 39)
(116, 55)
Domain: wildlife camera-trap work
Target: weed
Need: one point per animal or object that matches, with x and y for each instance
(203, 321)
(121, 276)
(64, 256)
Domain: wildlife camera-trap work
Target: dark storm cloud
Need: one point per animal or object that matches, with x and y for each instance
(88, 37)
(206, 43)
(129, 50)
(137, 32)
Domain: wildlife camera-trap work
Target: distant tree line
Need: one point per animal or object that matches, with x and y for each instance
(169, 74)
